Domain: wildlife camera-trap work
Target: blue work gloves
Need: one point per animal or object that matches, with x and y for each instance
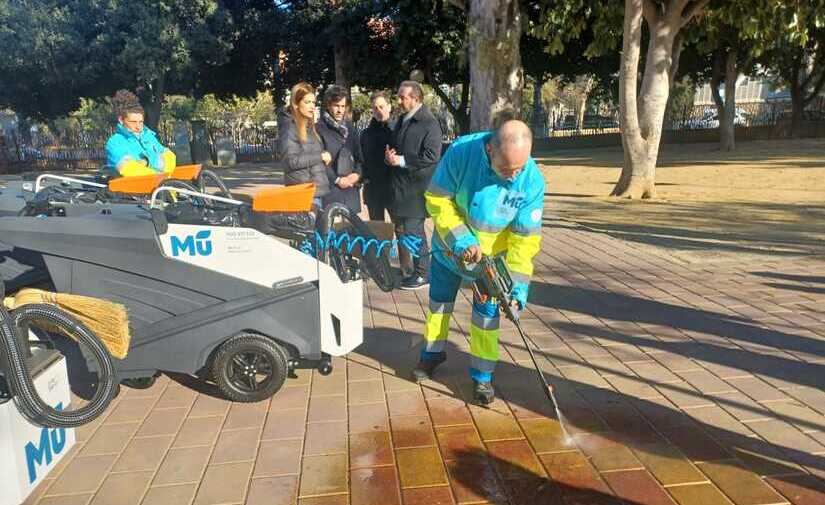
(520, 294)
(462, 244)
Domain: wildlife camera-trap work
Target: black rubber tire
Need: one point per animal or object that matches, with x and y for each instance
(139, 382)
(248, 349)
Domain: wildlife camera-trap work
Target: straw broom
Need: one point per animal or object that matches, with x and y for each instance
(108, 320)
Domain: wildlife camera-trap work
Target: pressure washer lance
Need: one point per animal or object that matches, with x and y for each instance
(494, 281)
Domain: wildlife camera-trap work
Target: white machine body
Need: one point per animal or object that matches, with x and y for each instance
(30, 452)
(248, 254)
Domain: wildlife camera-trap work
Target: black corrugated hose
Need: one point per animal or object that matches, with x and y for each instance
(19, 378)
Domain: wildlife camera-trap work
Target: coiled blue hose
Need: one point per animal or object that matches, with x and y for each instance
(349, 242)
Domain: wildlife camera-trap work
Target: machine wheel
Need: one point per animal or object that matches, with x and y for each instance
(249, 368)
(139, 382)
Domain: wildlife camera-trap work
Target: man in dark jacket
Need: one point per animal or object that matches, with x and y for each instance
(341, 140)
(413, 155)
(374, 140)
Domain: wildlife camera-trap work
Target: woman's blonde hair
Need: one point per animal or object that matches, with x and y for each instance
(297, 93)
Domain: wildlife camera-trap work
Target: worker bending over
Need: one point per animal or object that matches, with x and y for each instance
(485, 198)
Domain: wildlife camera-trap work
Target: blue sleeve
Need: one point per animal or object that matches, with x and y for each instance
(525, 237)
(116, 150)
(445, 180)
(528, 219)
(157, 147)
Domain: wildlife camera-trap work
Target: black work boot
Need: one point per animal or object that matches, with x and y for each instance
(425, 367)
(483, 392)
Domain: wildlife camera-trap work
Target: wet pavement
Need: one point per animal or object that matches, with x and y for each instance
(689, 384)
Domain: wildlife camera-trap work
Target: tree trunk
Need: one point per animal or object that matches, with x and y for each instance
(678, 45)
(641, 123)
(585, 86)
(538, 124)
(797, 109)
(153, 101)
(496, 77)
(725, 107)
(727, 121)
(24, 125)
(340, 54)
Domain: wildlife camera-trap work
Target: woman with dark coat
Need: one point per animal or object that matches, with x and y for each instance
(340, 139)
(299, 145)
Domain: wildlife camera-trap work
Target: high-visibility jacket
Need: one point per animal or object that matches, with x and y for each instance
(129, 154)
(470, 204)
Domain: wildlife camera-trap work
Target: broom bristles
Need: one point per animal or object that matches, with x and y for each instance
(108, 320)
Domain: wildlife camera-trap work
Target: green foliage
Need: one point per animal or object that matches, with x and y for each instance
(163, 45)
(431, 36)
(680, 103)
(790, 38)
(95, 117)
(568, 39)
(361, 105)
(594, 26)
(56, 51)
(51, 55)
(312, 29)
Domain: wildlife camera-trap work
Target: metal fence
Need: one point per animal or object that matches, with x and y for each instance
(86, 150)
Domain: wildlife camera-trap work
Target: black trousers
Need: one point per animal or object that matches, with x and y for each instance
(418, 264)
(376, 210)
(377, 201)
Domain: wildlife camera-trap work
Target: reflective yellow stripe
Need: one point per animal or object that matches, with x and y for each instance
(438, 326)
(484, 343)
(520, 252)
(492, 243)
(445, 214)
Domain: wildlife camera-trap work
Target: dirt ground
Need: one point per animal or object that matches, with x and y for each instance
(766, 198)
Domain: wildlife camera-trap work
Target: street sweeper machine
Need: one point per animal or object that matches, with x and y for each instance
(237, 291)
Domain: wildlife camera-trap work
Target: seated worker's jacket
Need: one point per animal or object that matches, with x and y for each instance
(470, 204)
(129, 154)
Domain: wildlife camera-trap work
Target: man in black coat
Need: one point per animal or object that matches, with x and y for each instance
(413, 156)
(374, 140)
(340, 139)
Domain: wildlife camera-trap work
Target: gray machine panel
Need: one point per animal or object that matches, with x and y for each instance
(178, 312)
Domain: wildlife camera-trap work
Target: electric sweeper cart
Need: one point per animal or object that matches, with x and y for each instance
(218, 287)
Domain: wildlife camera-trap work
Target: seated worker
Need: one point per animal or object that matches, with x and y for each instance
(134, 149)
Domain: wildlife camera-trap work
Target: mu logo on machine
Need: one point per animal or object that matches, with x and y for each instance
(198, 244)
(51, 444)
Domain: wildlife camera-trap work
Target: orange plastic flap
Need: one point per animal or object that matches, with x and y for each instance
(136, 185)
(296, 198)
(186, 172)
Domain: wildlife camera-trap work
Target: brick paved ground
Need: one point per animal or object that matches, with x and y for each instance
(691, 384)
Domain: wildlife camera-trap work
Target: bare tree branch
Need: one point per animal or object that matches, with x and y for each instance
(693, 10)
(678, 45)
(438, 91)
